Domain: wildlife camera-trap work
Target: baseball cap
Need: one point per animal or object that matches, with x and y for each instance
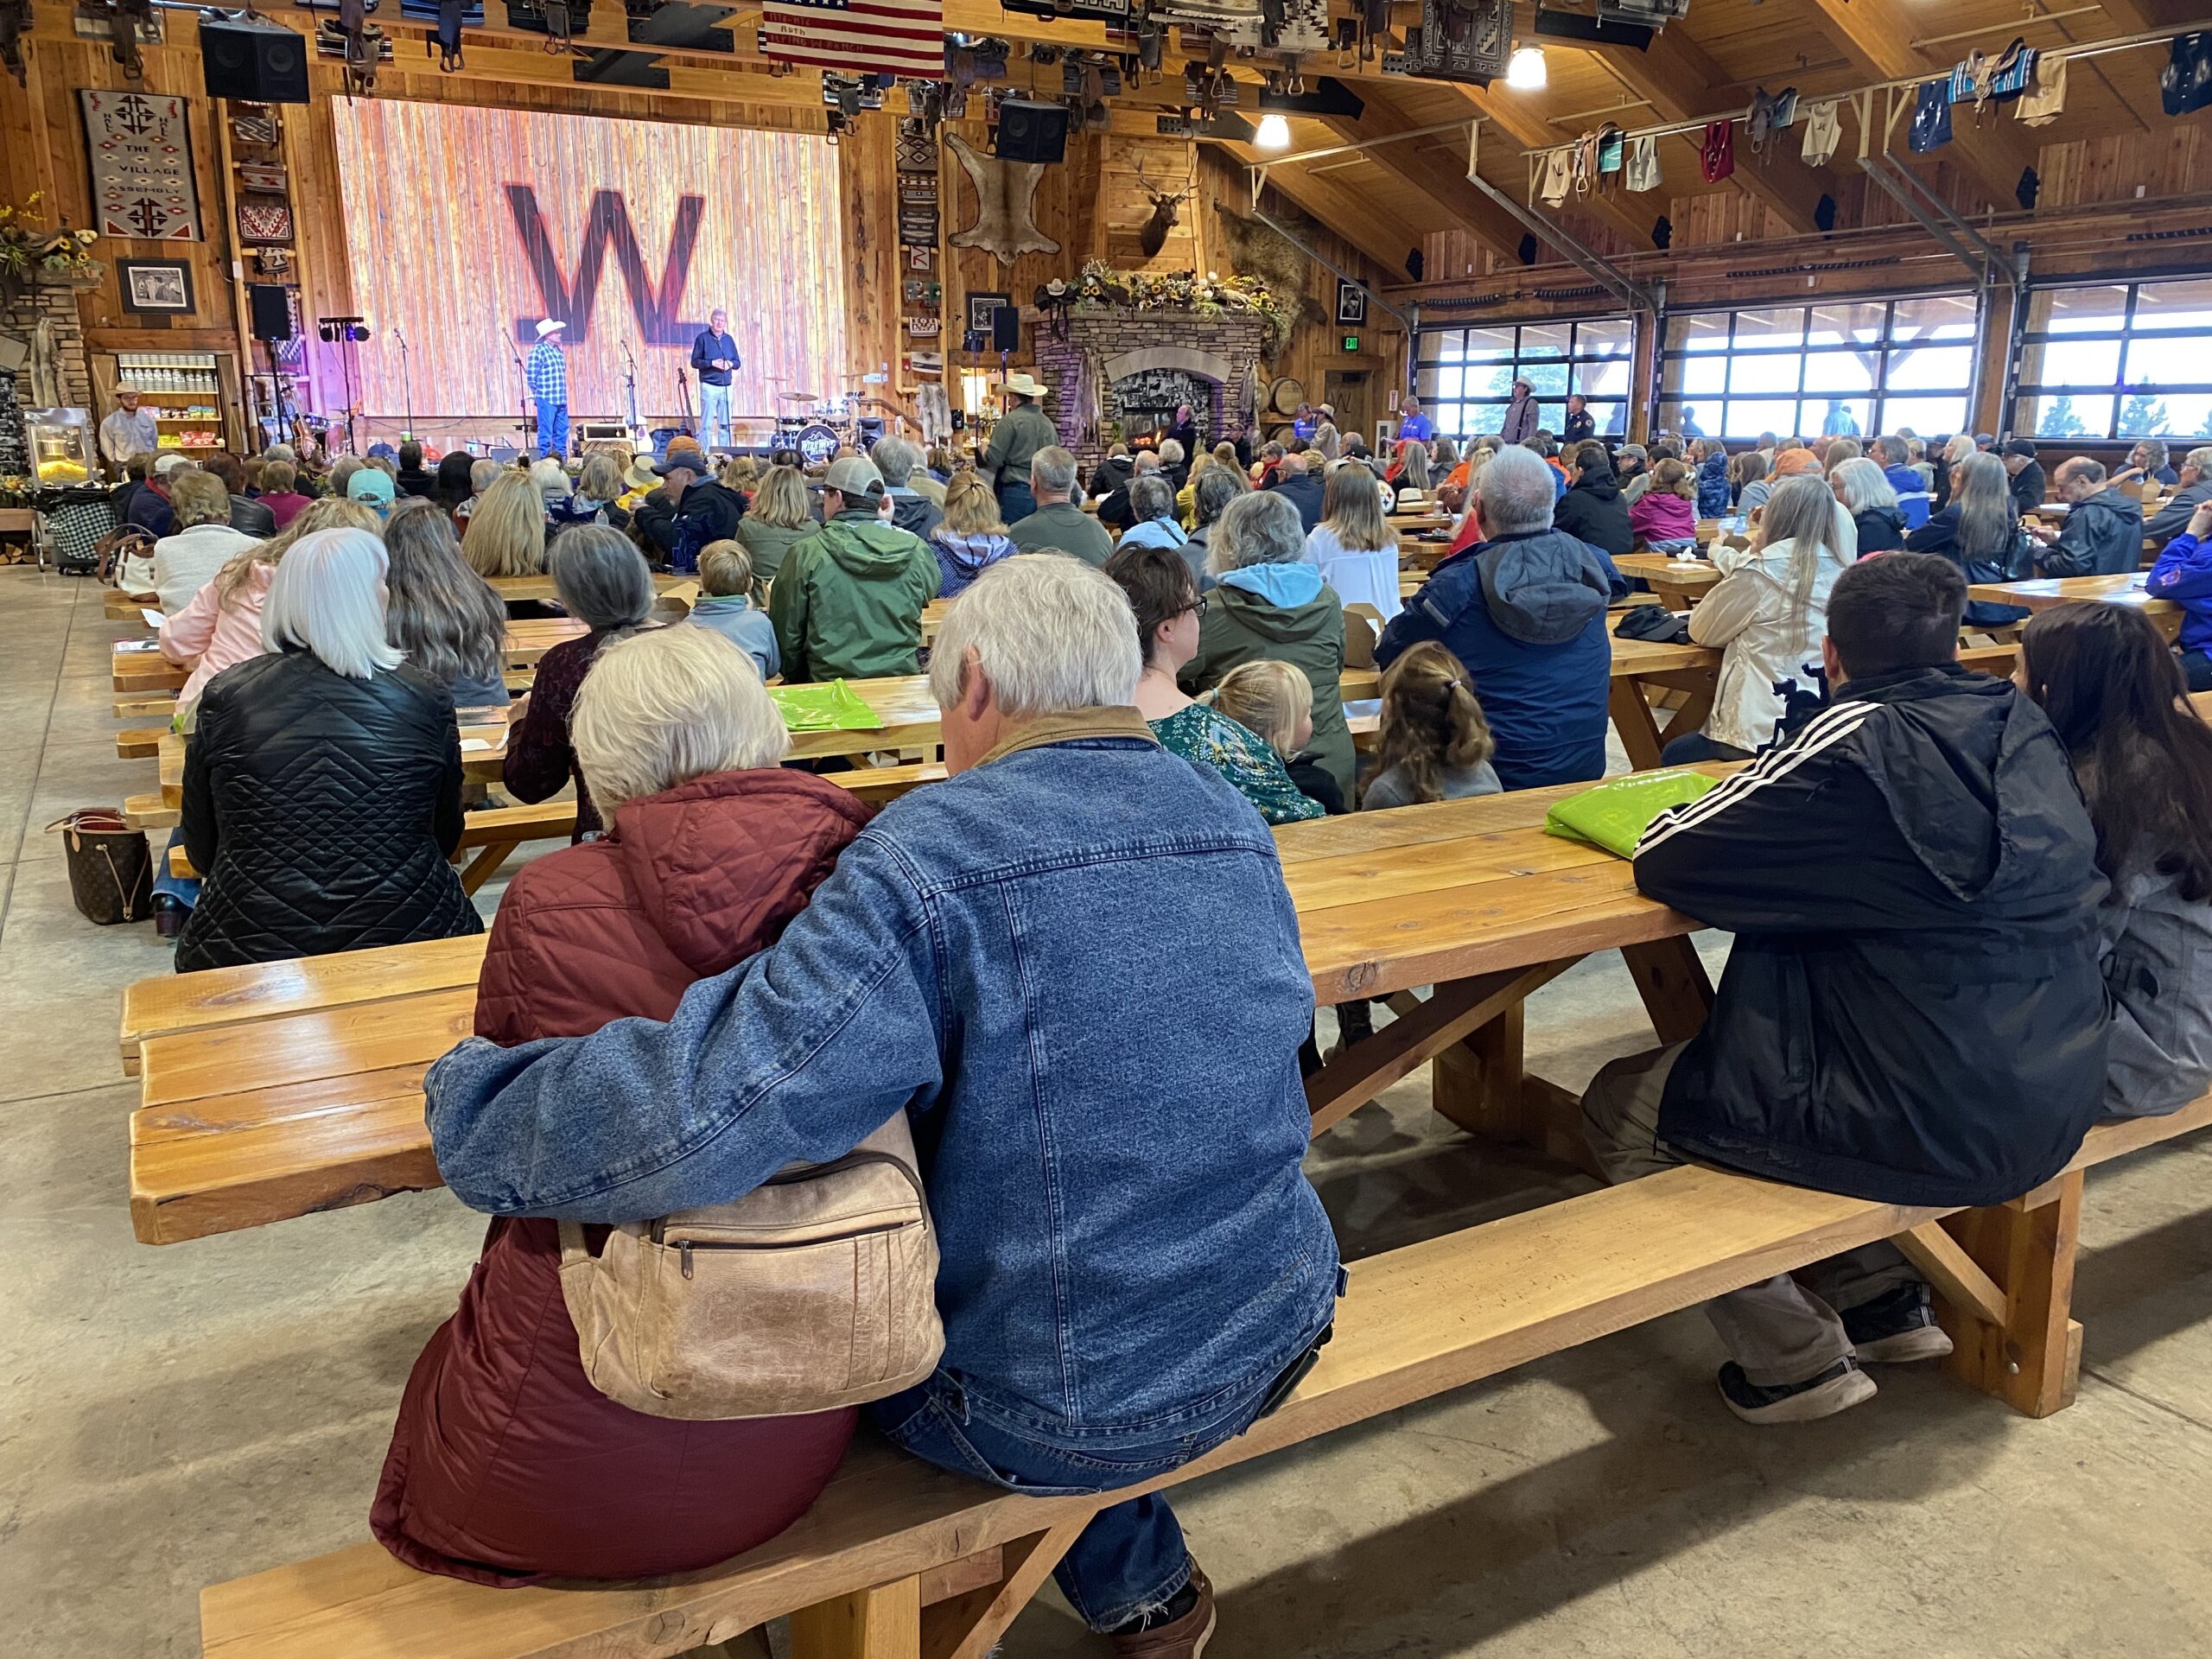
(169, 462)
(2020, 446)
(685, 459)
(370, 484)
(854, 475)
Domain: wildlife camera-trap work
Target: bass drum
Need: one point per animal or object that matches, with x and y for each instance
(816, 443)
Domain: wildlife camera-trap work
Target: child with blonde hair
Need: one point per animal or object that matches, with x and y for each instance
(1435, 743)
(1275, 701)
(728, 601)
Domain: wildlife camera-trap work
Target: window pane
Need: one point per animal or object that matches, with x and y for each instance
(2065, 416)
(1772, 374)
(1608, 337)
(1451, 346)
(1548, 379)
(1545, 339)
(1706, 331)
(1612, 418)
(1551, 417)
(1938, 316)
(1489, 345)
(1838, 417)
(1608, 380)
(1748, 417)
(2174, 305)
(2071, 363)
(2189, 417)
(1768, 329)
(2074, 310)
(1448, 417)
(1697, 376)
(1927, 417)
(1931, 368)
(2183, 361)
(1443, 383)
(1844, 325)
(1489, 381)
(2143, 414)
(1833, 372)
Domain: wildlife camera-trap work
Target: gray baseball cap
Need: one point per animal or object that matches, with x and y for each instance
(854, 475)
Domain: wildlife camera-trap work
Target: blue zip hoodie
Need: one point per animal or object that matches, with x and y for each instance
(2184, 575)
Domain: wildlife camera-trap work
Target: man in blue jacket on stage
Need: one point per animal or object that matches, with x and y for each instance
(713, 356)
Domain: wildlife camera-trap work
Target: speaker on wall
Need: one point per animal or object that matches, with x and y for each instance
(272, 310)
(1006, 328)
(1030, 131)
(260, 63)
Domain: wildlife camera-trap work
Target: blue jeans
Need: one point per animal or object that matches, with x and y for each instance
(713, 415)
(1015, 502)
(1131, 1559)
(553, 429)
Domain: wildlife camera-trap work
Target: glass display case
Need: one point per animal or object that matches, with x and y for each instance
(61, 446)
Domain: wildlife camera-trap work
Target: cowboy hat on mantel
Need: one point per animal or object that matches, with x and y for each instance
(1022, 386)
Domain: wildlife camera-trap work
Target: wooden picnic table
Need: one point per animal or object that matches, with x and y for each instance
(278, 1090)
(541, 586)
(2041, 594)
(137, 665)
(1644, 672)
(1680, 583)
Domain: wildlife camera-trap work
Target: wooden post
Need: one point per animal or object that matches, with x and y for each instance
(969, 1626)
(2032, 1361)
(1477, 1082)
(883, 1623)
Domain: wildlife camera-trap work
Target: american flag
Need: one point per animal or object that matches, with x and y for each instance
(900, 37)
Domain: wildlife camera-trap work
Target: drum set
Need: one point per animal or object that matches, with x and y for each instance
(817, 427)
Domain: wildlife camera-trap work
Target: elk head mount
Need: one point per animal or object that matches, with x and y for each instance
(1154, 235)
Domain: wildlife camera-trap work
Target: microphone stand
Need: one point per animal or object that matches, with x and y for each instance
(527, 425)
(406, 383)
(630, 392)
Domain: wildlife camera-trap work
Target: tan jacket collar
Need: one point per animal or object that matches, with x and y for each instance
(1071, 727)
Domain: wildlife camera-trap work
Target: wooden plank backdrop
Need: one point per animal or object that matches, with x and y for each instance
(434, 247)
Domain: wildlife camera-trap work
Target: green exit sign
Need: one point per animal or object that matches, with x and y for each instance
(1351, 342)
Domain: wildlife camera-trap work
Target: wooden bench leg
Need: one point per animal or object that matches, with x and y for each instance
(1477, 1082)
(969, 1626)
(884, 1623)
(2032, 1360)
(1633, 721)
(486, 865)
(1670, 976)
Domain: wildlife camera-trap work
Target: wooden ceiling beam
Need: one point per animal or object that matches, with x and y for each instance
(1674, 77)
(1877, 34)
(1497, 230)
(1342, 212)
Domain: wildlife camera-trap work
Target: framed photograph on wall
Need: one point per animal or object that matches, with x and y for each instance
(1351, 304)
(981, 307)
(155, 287)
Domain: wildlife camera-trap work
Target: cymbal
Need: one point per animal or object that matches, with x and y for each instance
(796, 398)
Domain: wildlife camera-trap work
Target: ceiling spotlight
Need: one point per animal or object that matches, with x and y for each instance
(1525, 69)
(1274, 133)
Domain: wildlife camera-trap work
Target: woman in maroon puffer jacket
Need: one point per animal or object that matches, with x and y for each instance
(506, 1465)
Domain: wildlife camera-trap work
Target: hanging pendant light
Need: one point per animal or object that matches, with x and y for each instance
(1524, 71)
(1274, 133)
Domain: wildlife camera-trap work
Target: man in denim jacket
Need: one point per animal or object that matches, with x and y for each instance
(1076, 965)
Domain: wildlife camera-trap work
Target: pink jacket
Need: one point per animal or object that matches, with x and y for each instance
(1656, 517)
(213, 637)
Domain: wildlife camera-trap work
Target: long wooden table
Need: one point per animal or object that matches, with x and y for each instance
(282, 1089)
(1680, 583)
(2044, 594)
(137, 666)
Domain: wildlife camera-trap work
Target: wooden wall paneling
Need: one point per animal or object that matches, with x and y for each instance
(318, 242)
(867, 183)
(26, 159)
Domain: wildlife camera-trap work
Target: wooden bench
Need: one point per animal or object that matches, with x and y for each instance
(492, 833)
(1416, 1323)
(137, 742)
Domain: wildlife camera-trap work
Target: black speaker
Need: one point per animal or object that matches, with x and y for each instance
(261, 63)
(1031, 132)
(1006, 328)
(272, 310)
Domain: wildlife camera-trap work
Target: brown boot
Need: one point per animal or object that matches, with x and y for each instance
(1185, 1638)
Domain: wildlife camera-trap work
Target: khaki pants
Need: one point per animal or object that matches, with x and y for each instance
(1779, 1330)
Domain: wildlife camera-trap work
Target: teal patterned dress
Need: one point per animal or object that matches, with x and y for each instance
(1206, 739)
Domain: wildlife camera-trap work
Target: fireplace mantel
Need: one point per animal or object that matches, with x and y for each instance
(1104, 345)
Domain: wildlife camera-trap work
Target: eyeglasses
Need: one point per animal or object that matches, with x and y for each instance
(1197, 607)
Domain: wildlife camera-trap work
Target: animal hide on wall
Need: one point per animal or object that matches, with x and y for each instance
(1257, 250)
(1006, 194)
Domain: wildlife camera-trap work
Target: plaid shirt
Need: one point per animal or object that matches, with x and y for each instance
(547, 372)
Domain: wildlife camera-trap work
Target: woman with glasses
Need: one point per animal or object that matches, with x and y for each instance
(1164, 593)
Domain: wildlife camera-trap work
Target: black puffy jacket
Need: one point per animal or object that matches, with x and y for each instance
(1913, 1011)
(1592, 511)
(320, 811)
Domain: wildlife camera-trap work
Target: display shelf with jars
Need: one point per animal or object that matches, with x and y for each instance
(191, 394)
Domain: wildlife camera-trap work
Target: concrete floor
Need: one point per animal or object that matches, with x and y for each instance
(172, 1417)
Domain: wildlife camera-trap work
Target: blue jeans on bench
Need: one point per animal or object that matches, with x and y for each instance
(1131, 1558)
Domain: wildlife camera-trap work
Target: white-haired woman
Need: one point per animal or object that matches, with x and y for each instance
(323, 783)
(1871, 500)
(1768, 613)
(506, 1464)
(1270, 603)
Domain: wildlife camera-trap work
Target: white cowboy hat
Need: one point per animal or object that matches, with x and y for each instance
(1022, 386)
(549, 325)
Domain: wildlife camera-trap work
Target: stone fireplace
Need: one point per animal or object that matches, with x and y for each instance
(1121, 372)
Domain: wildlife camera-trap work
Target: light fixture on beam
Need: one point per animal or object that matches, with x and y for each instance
(1524, 71)
(1274, 134)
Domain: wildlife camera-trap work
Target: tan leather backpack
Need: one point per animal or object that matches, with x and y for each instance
(815, 1290)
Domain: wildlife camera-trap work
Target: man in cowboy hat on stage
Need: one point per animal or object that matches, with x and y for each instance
(547, 372)
(1020, 433)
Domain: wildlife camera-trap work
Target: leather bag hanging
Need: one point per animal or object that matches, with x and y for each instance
(1931, 116)
(2044, 101)
(110, 871)
(814, 1291)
